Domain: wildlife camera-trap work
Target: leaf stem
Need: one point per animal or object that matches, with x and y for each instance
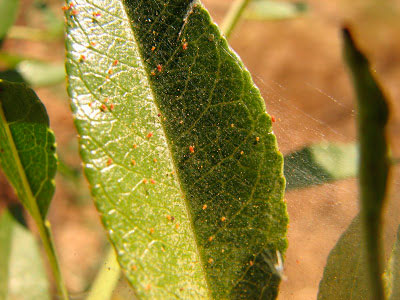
(233, 16)
(31, 205)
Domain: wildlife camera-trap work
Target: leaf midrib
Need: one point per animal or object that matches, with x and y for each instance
(171, 157)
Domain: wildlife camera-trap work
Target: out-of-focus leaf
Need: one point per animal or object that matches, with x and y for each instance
(320, 163)
(35, 73)
(274, 10)
(106, 279)
(27, 146)
(392, 275)
(8, 14)
(22, 274)
(346, 272)
(372, 117)
(178, 150)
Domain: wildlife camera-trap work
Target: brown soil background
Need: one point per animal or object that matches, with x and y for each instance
(298, 67)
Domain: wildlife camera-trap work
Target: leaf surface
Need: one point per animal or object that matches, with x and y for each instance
(27, 146)
(320, 163)
(22, 273)
(178, 150)
(346, 274)
(393, 273)
(8, 14)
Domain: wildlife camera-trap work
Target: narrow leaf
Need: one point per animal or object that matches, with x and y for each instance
(275, 10)
(27, 146)
(372, 117)
(8, 14)
(178, 150)
(320, 163)
(22, 274)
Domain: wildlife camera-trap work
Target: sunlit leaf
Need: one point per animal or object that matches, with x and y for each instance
(320, 163)
(178, 150)
(274, 10)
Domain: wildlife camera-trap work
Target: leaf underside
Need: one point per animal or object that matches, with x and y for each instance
(27, 145)
(178, 150)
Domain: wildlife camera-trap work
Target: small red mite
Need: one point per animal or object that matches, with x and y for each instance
(111, 106)
(273, 119)
(115, 62)
(191, 149)
(152, 181)
(96, 14)
(74, 12)
(153, 48)
(103, 107)
(159, 68)
(65, 8)
(185, 46)
(149, 135)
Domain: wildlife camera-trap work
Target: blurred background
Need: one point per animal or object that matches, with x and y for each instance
(293, 52)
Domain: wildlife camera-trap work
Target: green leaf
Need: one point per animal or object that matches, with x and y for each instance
(372, 117)
(320, 163)
(178, 150)
(22, 274)
(8, 14)
(35, 73)
(27, 146)
(346, 274)
(106, 279)
(275, 10)
(392, 275)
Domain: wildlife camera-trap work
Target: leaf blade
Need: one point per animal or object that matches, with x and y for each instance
(233, 250)
(28, 146)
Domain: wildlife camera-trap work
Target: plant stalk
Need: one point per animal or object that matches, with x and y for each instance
(232, 17)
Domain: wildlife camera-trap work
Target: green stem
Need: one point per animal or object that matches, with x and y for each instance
(33, 208)
(233, 16)
(106, 279)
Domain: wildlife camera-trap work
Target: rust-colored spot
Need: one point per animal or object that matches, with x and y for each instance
(115, 62)
(152, 181)
(96, 14)
(110, 71)
(210, 238)
(133, 162)
(134, 146)
(257, 139)
(109, 161)
(74, 12)
(185, 46)
(103, 107)
(82, 58)
(65, 8)
(223, 219)
(191, 149)
(92, 44)
(169, 218)
(111, 106)
(149, 135)
(241, 152)
(144, 181)
(273, 119)
(159, 68)
(204, 206)
(151, 230)
(177, 225)
(153, 48)
(155, 160)
(251, 263)
(153, 73)
(90, 104)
